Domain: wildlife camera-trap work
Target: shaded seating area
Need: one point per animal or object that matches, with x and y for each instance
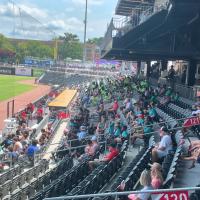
(64, 79)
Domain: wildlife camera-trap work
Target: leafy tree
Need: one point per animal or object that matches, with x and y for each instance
(71, 47)
(95, 40)
(69, 37)
(7, 51)
(70, 50)
(21, 51)
(34, 49)
(5, 43)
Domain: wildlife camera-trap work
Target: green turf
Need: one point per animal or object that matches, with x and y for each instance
(10, 86)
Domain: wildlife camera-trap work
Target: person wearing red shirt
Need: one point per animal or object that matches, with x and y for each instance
(23, 115)
(32, 107)
(113, 152)
(114, 107)
(39, 115)
(39, 111)
(51, 94)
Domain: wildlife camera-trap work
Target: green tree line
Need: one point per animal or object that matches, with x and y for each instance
(69, 45)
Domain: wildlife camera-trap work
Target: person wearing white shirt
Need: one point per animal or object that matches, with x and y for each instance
(164, 146)
(196, 112)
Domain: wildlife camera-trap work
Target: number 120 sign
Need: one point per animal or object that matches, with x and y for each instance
(180, 195)
(193, 121)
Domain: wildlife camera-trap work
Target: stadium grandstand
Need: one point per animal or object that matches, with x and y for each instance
(106, 134)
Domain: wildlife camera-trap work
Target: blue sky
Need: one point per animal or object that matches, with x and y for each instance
(58, 15)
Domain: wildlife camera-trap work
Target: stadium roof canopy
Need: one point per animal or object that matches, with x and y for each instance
(171, 33)
(125, 7)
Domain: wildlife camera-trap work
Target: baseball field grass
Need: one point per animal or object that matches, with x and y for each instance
(11, 86)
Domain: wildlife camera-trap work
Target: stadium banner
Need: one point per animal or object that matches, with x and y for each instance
(172, 195)
(7, 70)
(193, 121)
(21, 71)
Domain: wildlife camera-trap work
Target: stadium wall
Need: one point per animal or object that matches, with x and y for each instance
(23, 71)
(7, 70)
(18, 71)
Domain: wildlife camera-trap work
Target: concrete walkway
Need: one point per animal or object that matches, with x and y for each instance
(56, 140)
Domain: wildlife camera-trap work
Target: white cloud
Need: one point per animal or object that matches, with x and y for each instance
(90, 29)
(8, 10)
(70, 19)
(34, 11)
(17, 21)
(56, 24)
(69, 9)
(72, 24)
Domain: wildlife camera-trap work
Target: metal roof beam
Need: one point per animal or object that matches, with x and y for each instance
(123, 4)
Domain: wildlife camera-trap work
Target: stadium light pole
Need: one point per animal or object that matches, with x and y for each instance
(85, 30)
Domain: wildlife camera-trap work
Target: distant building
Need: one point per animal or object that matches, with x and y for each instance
(47, 42)
(92, 53)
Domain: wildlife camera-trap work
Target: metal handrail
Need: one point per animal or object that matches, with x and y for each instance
(116, 194)
(77, 147)
(66, 149)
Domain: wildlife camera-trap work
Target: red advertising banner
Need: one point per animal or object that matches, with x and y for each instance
(193, 121)
(173, 195)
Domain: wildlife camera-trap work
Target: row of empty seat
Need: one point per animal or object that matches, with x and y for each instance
(185, 103)
(173, 111)
(101, 175)
(182, 111)
(171, 122)
(37, 184)
(64, 79)
(15, 179)
(61, 185)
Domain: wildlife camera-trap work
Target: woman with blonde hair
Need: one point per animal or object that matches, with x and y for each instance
(156, 175)
(145, 180)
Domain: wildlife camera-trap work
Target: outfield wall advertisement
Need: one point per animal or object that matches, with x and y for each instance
(7, 70)
(23, 71)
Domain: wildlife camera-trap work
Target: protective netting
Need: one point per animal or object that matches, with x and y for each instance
(19, 21)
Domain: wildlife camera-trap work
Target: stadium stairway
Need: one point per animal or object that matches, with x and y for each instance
(53, 146)
(187, 177)
(184, 177)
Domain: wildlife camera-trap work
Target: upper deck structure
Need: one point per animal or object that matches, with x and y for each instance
(127, 7)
